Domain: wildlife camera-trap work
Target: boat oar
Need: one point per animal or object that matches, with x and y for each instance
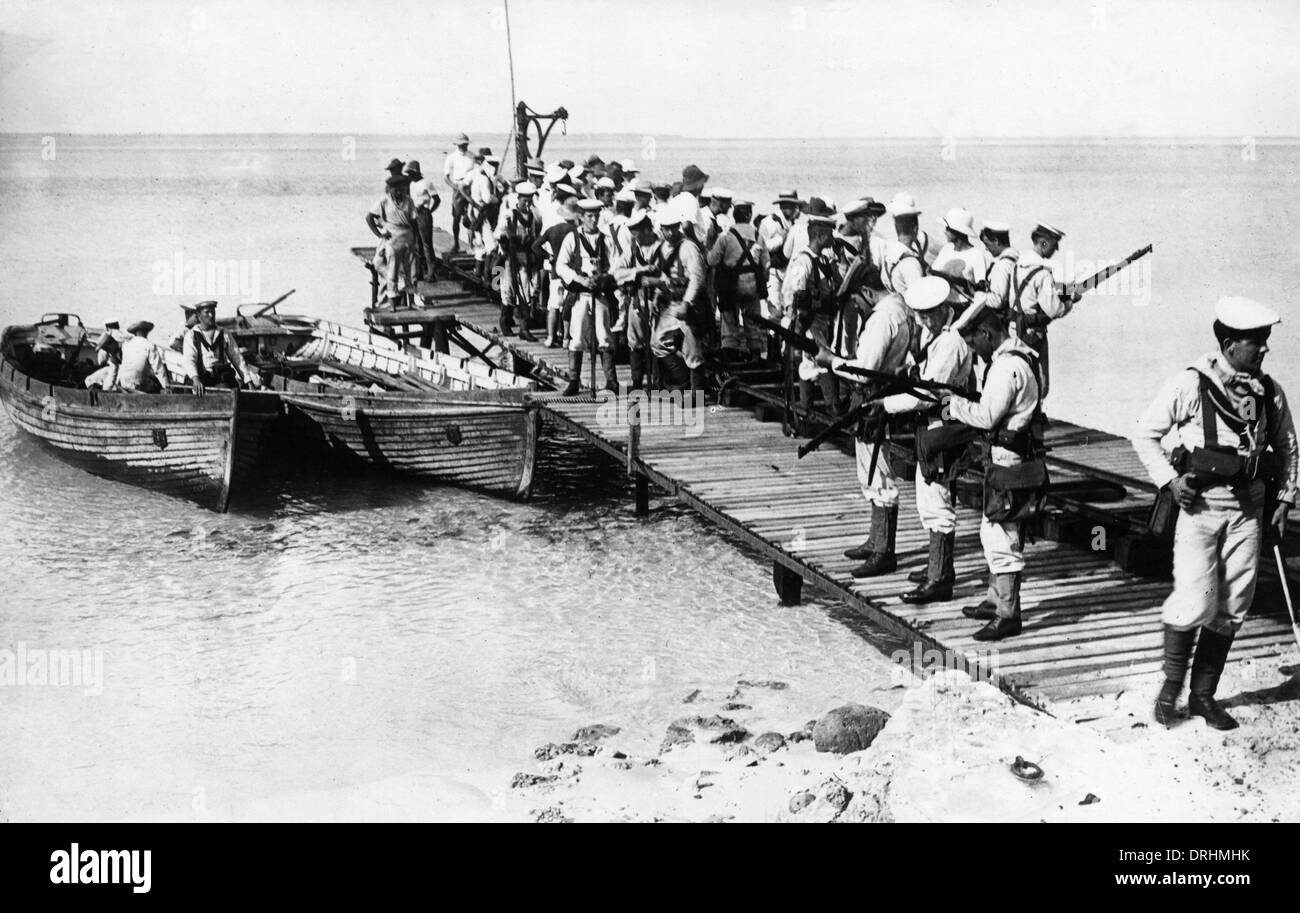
(1286, 592)
(262, 310)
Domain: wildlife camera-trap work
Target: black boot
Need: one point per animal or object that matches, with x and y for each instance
(504, 323)
(1178, 650)
(636, 362)
(938, 584)
(1007, 622)
(883, 560)
(611, 373)
(1211, 656)
(868, 546)
(575, 374)
(987, 607)
(521, 318)
(697, 383)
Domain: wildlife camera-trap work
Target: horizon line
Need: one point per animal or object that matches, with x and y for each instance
(1231, 137)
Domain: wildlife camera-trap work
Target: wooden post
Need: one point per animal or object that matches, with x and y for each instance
(633, 454)
(789, 585)
(440, 343)
(642, 496)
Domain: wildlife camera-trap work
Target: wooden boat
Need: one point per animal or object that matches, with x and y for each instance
(371, 400)
(200, 448)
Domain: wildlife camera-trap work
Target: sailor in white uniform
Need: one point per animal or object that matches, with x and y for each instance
(1225, 412)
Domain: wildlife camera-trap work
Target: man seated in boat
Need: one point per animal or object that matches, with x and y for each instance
(143, 369)
(108, 356)
(212, 357)
(177, 343)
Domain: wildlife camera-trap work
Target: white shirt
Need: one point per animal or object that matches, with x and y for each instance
(899, 267)
(1040, 293)
(1008, 400)
(141, 360)
(1002, 276)
(457, 167)
(884, 342)
(423, 191)
(1177, 408)
(948, 360)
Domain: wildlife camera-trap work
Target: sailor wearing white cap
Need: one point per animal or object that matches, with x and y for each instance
(740, 264)
(518, 231)
(717, 217)
(1001, 275)
(1036, 300)
(639, 274)
(1009, 403)
(677, 347)
(903, 263)
(809, 304)
(885, 343)
(487, 206)
(962, 256)
(630, 170)
(1225, 413)
(946, 359)
(583, 264)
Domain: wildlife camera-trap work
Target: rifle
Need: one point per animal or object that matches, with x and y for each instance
(845, 422)
(1075, 289)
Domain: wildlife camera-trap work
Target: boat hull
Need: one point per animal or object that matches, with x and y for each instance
(177, 445)
(488, 446)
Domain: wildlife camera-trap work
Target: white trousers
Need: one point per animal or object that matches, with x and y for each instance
(1216, 565)
(934, 505)
(580, 325)
(555, 301)
(1004, 546)
(880, 488)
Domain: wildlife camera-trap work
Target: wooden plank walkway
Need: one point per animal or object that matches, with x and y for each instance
(1089, 628)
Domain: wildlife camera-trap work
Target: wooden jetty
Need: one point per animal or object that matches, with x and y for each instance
(1090, 627)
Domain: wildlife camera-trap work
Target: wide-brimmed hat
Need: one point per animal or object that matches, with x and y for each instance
(629, 167)
(927, 293)
(461, 140)
(413, 169)
(961, 221)
(204, 306)
(398, 180)
(394, 166)
(593, 160)
(864, 207)
(641, 185)
(788, 199)
(566, 164)
(903, 204)
(534, 164)
(140, 328)
(820, 212)
(693, 178)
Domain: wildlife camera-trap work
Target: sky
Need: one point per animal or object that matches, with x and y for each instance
(702, 68)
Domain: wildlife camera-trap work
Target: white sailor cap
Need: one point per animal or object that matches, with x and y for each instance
(1000, 228)
(629, 167)
(589, 205)
(606, 184)
(1240, 313)
(625, 196)
(555, 174)
(1047, 231)
(577, 171)
(525, 189)
(927, 294)
(639, 218)
(667, 217)
(720, 193)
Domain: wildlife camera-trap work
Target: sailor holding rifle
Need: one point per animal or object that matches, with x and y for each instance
(1226, 413)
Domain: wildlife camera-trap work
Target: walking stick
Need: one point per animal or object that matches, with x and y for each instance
(1286, 592)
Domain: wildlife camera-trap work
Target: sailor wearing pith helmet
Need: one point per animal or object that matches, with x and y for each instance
(1225, 413)
(962, 257)
(947, 359)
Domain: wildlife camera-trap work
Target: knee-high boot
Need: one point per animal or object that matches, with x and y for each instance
(940, 575)
(870, 545)
(575, 374)
(1007, 621)
(1211, 656)
(1178, 651)
(883, 560)
(636, 361)
(611, 373)
(552, 329)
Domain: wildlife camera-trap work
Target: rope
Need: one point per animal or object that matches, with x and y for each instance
(510, 54)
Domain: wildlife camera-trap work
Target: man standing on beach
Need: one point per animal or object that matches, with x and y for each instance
(1226, 412)
(1037, 301)
(455, 171)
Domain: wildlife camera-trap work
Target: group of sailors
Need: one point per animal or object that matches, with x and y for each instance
(682, 273)
(209, 357)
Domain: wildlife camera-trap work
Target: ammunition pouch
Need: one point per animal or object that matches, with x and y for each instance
(944, 452)
(1013, 494)
(1215, 464)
